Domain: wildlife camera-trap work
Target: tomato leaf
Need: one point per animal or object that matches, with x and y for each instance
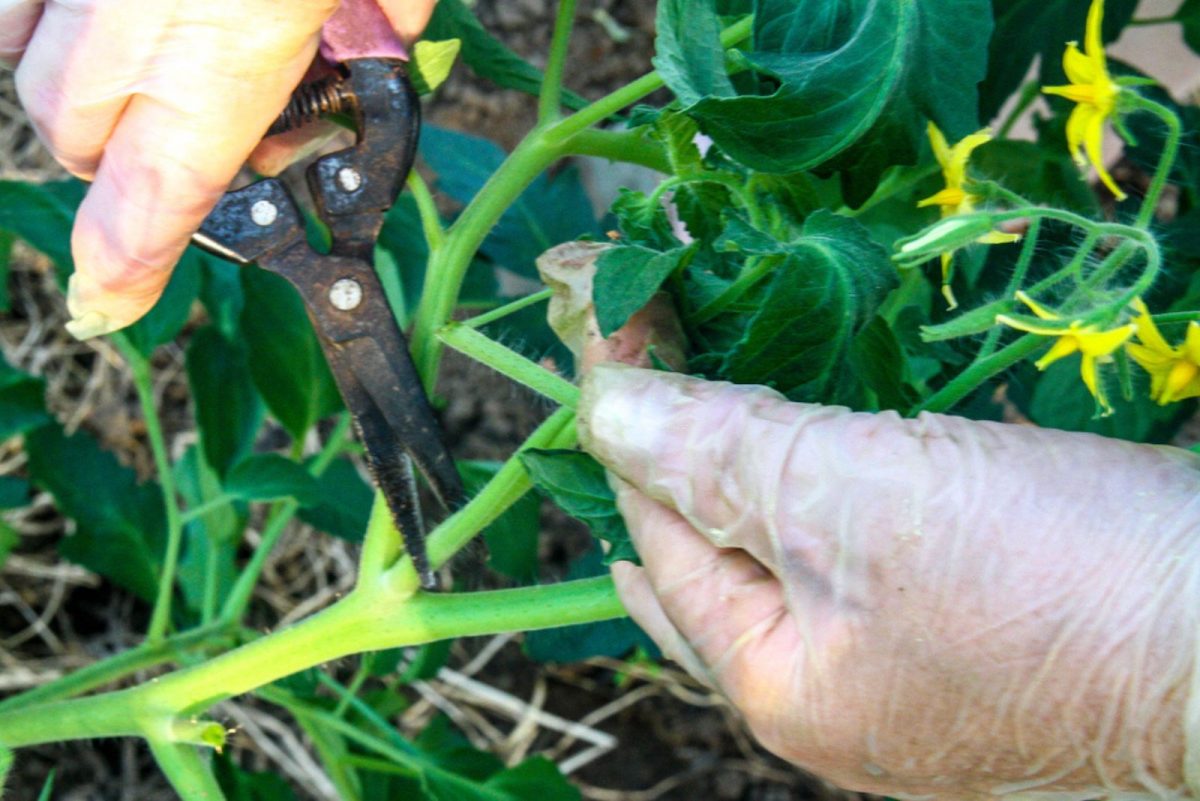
(820, 78)
(553, 209)
(14, 492)
(627, 277)
(343, 502)
(576, 482)
(485, 54)
(827, 288)
(227, 407)
(120, 524)
(268, 477)
(22, 402)
(286, 360)
(163, 322)
(42, 215)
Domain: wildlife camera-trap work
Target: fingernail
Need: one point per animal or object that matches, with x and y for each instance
(85, 323)
(91, 324)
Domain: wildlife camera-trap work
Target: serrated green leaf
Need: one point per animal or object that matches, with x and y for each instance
(286, 360)
(828, 77)
(1029, 29)
(227, 407)
(627, 277)
(120, 523)
(576, 482)
(163, 322)
(431, 63)
(42, 215)
(343, 503)
(485, 54)
(512, 538)
(268, 477)
(14, 492)
(553, 209)
(827, 288)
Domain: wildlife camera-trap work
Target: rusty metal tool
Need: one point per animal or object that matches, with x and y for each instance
(352, 190)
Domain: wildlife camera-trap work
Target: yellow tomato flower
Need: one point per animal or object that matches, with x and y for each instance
(1094, 92)
(955, 199)
(1174, 371)
(1093, 344)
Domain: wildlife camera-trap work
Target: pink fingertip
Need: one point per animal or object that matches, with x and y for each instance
(360, 29)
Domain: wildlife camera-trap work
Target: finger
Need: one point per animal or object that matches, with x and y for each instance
(276, 153)
(177, 146)
(717, 453)
(18, 18)
(73, 81)
(637, 595)
(408, 17)
(718, 599)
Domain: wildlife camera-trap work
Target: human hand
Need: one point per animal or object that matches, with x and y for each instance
(930, 606)
(159, 105)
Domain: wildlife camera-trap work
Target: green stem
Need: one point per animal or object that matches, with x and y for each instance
(550, 97)
(114, 668)
(1170, 150)
(970, 379)
(143, 382)
(355, 624)
(239, 597)
(631, 147)
(431, 222)
(481, 348)
(537, 151)
(448, 265)
(202, 509)
(488, 317)
(212, 558)
(1174, 318)
(382, 543)
(502, 491)
(629, 94)
(1014, 283)
(186, 770)
(350, 692)
(892, 187)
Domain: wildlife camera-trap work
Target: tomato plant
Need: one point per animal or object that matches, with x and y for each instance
(834, 220)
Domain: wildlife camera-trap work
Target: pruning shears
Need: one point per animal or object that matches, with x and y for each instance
(352, 190)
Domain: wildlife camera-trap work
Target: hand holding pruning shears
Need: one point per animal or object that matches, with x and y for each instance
(160, 105)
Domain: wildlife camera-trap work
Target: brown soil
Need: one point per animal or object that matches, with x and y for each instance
(674, 739)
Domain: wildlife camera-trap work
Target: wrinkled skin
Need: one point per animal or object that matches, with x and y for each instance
(931, 606)
(159, 104)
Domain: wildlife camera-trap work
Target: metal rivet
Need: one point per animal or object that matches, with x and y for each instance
(349, 179)
(345, 294)
(264, 212)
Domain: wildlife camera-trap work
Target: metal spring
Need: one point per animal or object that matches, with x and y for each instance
(313, 100)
